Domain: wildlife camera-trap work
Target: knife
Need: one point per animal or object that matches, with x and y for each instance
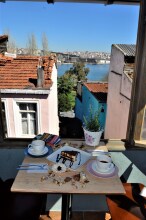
(21, 168)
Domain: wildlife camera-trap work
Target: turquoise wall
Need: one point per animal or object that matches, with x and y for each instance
(82, 107)
(78, 109)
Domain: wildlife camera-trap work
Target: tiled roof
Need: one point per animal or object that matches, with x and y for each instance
(21, 72)
(98, 89)
(97, 86)
(126, 49)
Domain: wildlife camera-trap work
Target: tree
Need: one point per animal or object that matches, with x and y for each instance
(65, 87)
(64, 102)
(32, 45)
(65, 84)
(45, 47)
(11, 46)
(79, 70)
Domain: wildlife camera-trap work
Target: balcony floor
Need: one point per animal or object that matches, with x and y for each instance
(54, 215)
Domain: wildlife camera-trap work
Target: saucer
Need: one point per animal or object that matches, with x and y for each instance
(97, 169)
(99, 174)
(46, 151)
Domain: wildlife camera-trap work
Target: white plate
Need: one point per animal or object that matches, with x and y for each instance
(101, 175)
(96, 169)
(81, 158)
(31, 151)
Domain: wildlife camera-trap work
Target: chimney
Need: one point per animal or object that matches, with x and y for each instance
(40, 74)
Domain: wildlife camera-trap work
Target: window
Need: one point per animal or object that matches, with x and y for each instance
(28, 115)
(27, 118)
(4, 118)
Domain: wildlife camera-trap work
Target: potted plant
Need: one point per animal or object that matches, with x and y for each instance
(92, 128)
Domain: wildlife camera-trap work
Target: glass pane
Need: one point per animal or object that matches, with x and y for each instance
(32, 107)
(24, 127)
(24, 115)
(22, 106)
(3, 106)
(4, 119)
(69, 56)
(32, 127)
(32, 115)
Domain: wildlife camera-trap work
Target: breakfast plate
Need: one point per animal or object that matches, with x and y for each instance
(80, 157)
(90, 169)
(46, 151)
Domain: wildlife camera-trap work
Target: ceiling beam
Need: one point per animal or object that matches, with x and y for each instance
(109, 2)
(105, 2)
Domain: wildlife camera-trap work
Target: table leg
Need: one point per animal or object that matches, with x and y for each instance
(65, 207)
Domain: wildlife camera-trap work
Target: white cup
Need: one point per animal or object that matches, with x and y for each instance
(37, 146)
(104, 162)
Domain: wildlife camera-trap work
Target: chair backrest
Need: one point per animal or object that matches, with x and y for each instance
(130, 206)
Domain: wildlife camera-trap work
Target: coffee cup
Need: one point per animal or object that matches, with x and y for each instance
(37, 146)
(104, 163)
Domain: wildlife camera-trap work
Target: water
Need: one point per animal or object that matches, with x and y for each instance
(96, 71)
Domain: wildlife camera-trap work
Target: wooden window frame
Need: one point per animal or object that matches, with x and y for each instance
(138, 100)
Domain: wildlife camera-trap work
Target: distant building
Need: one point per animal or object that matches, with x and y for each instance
(119, 90)
(28, 89)
(91, 94)
(100, 61)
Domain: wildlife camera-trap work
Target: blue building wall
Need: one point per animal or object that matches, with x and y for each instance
(88, 101)
(78, 109)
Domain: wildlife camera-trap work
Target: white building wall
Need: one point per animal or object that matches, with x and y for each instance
(53, 119)
(126, 86)
(116, 61)
(118, 100)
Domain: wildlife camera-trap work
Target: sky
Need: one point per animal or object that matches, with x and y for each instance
(70, 26)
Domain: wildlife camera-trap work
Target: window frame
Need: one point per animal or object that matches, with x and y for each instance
(6, 115)
(17, 117)
(136, 108)
(138, 101)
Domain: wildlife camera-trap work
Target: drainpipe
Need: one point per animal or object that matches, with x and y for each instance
(40, 74)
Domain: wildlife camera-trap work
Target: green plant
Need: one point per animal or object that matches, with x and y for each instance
(92, 122)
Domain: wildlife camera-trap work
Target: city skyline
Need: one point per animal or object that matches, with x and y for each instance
(70, 27)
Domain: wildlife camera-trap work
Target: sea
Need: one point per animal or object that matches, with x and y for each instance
(97, 72)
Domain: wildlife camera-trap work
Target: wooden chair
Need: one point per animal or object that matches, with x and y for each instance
(130, 206)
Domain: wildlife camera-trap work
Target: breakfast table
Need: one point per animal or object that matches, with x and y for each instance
(77, 180)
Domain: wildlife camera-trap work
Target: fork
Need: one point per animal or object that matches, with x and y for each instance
(34, 165)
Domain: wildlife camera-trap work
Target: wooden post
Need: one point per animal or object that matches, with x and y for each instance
(138, 99)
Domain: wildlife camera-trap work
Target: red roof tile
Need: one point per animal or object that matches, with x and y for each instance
(21, 72)
(96, 87)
